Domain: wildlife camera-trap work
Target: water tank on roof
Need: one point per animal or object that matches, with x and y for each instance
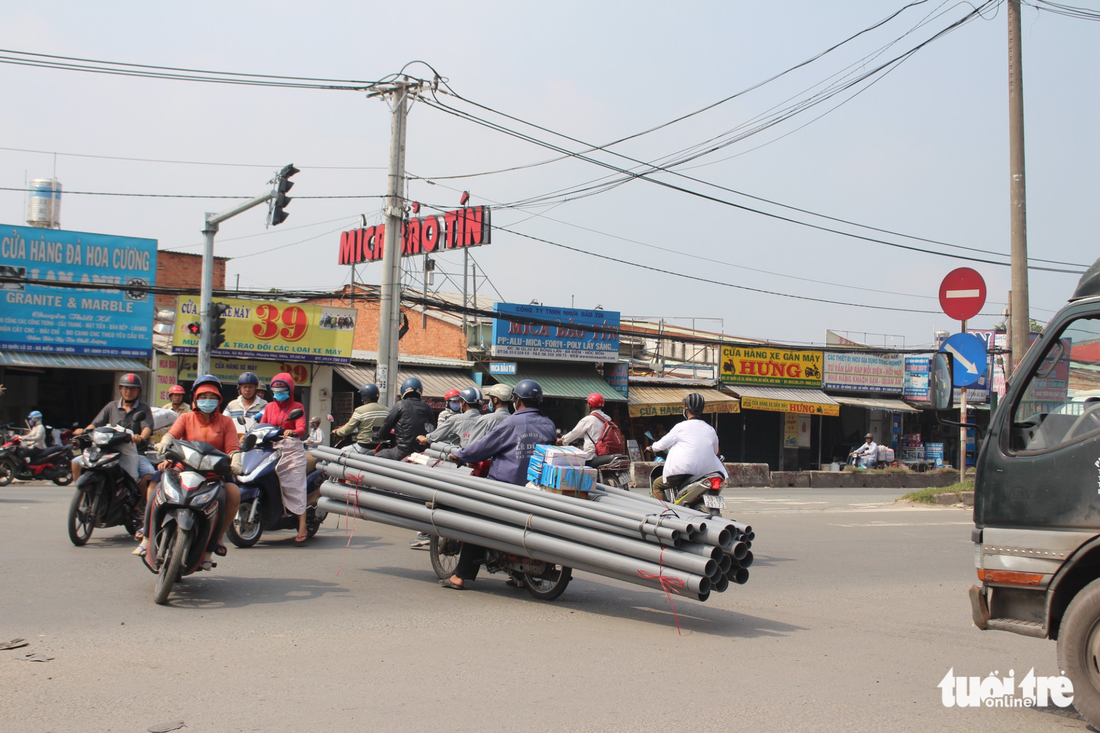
(44, 203)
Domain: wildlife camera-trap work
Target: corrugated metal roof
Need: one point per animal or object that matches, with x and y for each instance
(567, 382)
(876, 403)
(437, 382)
(70, 361)
(788, 394)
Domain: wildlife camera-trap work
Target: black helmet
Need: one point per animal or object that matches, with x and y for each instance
(129, 379)
(410, 385)
(528, 391)
(248, 378)
(369, 392)
(695, 403)
(470, 395)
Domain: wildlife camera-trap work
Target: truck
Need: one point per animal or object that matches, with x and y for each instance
(1037, 495)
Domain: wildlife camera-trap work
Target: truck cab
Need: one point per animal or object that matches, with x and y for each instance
(1037, 496)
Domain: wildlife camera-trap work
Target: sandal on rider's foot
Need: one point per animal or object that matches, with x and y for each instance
(139, 551)
(221, 550)
(301, 539)
(207, 565)
(139, 536)
(454, 586)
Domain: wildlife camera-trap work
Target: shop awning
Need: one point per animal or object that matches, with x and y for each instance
(651, 401)
(780, 399)
(876, 403)
(437, 382)
(28, 360)
(566, 382)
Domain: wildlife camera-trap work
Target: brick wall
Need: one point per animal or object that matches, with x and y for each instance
(182, 270)
(439, 339)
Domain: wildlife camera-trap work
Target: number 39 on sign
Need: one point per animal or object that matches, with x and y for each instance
(291, 324)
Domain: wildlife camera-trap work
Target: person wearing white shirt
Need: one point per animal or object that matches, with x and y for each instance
(692, 448)
(867, 454)
(591, 427)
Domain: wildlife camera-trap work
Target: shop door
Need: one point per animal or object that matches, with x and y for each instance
(763, 437)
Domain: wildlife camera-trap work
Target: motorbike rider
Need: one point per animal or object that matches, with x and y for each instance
(291, 465)
(247, 405)
(316, 435)
(452, 408)
(458, 429)
(366, 419)
(510, 446)
(591, 427)
(407, 419)
(176, 403)
(500, 402)
(34, 442)
(866, 454)
(692, 447)
(206, 424)
(133, 463)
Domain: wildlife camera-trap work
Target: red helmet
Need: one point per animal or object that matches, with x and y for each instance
(129, 380)
(596, 400)
(452, 394)
(176, 389)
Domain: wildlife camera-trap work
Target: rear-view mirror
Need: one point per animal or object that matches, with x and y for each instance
(295, 413)
(249, 442)
(942, 382)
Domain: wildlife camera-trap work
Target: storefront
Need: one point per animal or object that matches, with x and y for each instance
(869, 387)
(437, 381)
(656, 404)
(565, 387)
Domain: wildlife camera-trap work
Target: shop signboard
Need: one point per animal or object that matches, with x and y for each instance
(171, 370)
(617, 374)
(258, 329)
(773, 367)
(856, 372)
(677, 408)
(67, 320)
(562, 334)
(790, 430)
(468, 227)
(800, 408)
(916, 379)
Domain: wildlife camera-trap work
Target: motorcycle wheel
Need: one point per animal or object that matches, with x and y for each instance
(170, 570)
(549, 585)
(64, 478)
(444, 555)
(612, 480)
(243, 534)
(7, 473)
(82, 511)
(136, 519)
(313, 524)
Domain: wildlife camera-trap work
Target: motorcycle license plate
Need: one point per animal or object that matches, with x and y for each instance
(712, 501)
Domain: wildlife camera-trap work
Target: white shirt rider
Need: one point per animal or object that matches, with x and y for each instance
(591, 427)
(867, 453)
(692, 447)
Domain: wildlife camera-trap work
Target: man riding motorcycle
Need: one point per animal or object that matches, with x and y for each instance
(365, 421)
(591, 427)
(452, 408)
(407, 419)
(458, 429)
(500, 402)
(133, 463)
(247, 405)
(692, 447)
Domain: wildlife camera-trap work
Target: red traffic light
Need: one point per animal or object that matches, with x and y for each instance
(193, 329)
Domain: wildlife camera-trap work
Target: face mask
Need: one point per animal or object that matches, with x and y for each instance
(453, 405)
(282, 396)
(685, 414)
(207, 406)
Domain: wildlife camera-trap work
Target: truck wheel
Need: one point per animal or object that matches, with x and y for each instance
(1079, 650)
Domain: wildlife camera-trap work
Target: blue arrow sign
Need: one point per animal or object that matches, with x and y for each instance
(970, 357)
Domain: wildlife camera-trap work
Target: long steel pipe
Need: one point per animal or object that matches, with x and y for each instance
(535, 545)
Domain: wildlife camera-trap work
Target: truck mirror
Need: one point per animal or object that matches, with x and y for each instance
(943, 389)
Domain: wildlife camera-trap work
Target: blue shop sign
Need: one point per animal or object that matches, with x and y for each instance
(559, 333)
(69, 320)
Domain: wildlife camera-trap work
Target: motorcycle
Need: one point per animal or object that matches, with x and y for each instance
(543, 580)
(52, 464)
(702, 493)
(187, 512)
(261, 498)
(106, 496)
(615, 472)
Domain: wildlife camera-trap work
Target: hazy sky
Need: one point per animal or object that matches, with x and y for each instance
(921, 150)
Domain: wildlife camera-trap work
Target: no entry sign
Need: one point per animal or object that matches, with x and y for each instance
(962, 294)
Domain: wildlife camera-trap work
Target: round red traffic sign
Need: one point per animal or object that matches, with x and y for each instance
(962, 294)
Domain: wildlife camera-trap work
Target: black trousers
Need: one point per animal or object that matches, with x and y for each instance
(470, 558)
(394, 454)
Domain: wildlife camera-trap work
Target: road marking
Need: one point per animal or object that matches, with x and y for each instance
(906, 524)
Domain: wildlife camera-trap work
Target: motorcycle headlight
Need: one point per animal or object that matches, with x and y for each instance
(102, 437)
(170, 491)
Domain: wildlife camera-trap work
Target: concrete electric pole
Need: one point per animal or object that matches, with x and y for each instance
(1020, 314)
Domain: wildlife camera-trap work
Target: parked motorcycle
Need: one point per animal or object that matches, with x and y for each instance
(105, 494)
(261, 498)
(52, 464)
(702, 493)
(187, 512)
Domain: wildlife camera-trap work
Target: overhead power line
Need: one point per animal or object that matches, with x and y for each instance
(189, 195)
(163, 161)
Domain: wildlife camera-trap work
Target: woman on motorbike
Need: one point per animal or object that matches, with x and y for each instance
(291, 467)
(205, 424)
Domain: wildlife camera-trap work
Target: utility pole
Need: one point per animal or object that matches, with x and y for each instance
(389, 316)
(1021, 331)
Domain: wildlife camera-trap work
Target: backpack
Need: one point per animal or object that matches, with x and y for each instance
(611, 439)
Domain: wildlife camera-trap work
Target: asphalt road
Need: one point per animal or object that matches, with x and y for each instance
(855, 611)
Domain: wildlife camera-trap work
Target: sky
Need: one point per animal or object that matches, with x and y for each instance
(919, 149)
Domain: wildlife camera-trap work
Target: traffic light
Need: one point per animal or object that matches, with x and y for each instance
(282, 185)
(217, 324)
(193, 328)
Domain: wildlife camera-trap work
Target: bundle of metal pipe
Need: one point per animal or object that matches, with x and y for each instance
(622, 538)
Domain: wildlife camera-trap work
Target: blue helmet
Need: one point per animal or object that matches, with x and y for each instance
(34, 417)
(369, 392)
(528, 391)
(411, 385)
(471, 396)
(248, 378)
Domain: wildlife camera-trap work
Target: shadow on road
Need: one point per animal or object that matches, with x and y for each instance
(209, 592)
(767, 561)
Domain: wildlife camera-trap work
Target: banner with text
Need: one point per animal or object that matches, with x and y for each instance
(855, 372)
(177, 369)
(801, 408)
(70, 320)
(270, 330)
(773, 367)
(467, 227)
(569, 338)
